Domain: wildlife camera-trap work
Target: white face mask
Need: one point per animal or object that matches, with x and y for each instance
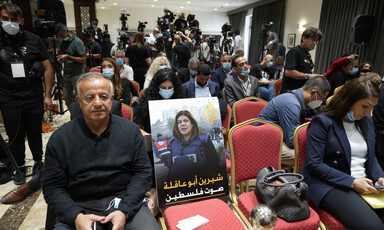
(10, 28)
(314, 104)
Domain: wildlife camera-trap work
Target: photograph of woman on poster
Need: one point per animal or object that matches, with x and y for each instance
(192, 151)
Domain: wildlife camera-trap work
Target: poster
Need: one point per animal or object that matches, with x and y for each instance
(188, 149)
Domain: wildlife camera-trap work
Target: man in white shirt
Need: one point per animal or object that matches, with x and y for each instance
(125, 70)
(152, 40)
(238, 47)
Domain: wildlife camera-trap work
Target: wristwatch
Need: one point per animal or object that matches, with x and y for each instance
(306, 76)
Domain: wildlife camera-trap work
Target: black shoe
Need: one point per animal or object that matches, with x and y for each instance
(37, 169)
(20, 179)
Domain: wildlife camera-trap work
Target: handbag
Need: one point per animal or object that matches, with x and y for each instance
(285, 193)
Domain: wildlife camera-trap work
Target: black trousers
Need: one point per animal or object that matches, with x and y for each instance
(22, 117)
(142, 220)
(139, 75)
(352, 210)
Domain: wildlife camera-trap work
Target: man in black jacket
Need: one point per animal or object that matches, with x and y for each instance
(91, 177)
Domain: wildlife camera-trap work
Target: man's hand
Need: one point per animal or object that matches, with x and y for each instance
(47, 103)
(118, 219)
(84, 222)
(364, 186)
(62, 58)
(352, 56)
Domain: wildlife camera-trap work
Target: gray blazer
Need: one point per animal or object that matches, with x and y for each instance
(274, 48)
(234, 90)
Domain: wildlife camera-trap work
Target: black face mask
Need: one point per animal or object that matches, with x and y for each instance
(365, 70)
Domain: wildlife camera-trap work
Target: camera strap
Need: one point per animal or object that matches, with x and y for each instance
(302, 107)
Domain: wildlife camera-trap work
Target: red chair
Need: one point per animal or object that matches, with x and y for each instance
(253, 148)
(224, 95)
(218, 213)
(226, 124)
(96, 69)
(127, 112)
(277, 86)
(300, 146)
(136, 84)
(247, 108)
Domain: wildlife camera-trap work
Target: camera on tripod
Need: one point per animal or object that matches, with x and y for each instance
(106, 37)
(226, 30)
(190, 19)
(86, 36)
(197, 35)
(123, 18)
(43, 26)
(266, 27)
(141, 26)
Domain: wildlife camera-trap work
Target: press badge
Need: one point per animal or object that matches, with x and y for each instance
(18, 70)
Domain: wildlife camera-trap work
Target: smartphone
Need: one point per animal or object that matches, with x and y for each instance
(378, 187)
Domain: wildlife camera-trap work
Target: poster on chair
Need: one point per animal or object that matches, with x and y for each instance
(188, 150)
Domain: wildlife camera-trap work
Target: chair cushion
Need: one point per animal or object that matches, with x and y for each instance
(228, 165)
(328, 220)
(247, 201)
(218, 213)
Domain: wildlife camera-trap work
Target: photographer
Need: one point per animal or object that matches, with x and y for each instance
(181, 23)
(24, 64)
(272, 42)
(181, 50)
(193, 23)
(95, 30)
(195, 50)
(93, 52)
(73, 57)
(169, 36)
(121, 45)
(238, 47)
(152, 41)
(167, 18)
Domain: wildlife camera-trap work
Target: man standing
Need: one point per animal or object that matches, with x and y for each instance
(91, 177)
(242, 85)
(272, 43)
(299, 65)
(169, 36)
(73, 56)
(152, 41)
(238, 47)
(182, 50)
(224, 71)
(24, 63)
(201, 86)
(93, 53)
(288, 111)
(95, 30)
(264, 72)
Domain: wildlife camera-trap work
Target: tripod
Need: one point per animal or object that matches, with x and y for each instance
(10, 157)
(59, 80)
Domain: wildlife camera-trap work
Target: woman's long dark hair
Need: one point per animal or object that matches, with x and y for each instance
(152, 92)
(195, 126)
(354, 90)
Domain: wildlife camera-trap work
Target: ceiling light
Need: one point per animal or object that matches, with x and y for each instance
(102, 7)
(155, 0)
(226, 4)
(181, 7)
(215, 9)
(189, 2)
(152, 5)
(115, 4)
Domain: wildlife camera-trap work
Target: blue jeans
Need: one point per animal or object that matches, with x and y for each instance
(267, 92)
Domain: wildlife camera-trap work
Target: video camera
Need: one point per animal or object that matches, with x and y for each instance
(106, 37)
(44, 27)
(86, 36)
(226, 30)
(190, 19)
(197, 35)
(141, 26)
(266, 27)
(123, 18)
(160, 42)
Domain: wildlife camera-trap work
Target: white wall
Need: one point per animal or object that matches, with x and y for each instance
(210, 22)
(301, 11)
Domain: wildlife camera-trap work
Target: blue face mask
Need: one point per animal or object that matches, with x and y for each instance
(353, 71)
(108, 73)
(162, 67)
(350, 116)
(230, 44)
(166, 94)
(244, 72)
(118, 40)
(192, 72)
(120, 61)
(227, 66)
(269, 64)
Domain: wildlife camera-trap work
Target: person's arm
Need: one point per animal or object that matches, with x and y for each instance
(148, 60)
(229, 93)
(289, 120)
(317, 140)
(298, 75)
(48, 84)
(141, 172)
(337, 65)
(55, 183)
